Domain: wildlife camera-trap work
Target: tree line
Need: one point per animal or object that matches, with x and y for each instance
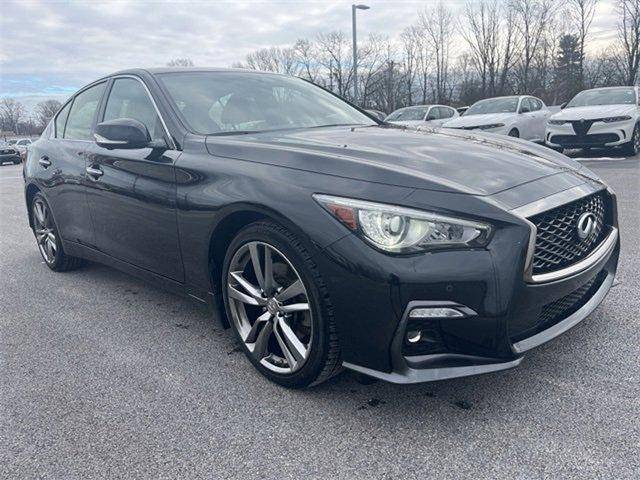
(492, 48)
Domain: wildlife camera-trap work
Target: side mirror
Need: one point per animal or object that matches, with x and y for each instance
(525, 110)
(124, 133)
(563, 105)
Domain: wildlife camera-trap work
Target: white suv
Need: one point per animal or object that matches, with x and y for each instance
(602, 117)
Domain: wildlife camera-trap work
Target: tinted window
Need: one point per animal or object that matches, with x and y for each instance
(228, 102)
(129, 99)
(61, 119)
(83, 112)
(604, 96)
(536, 104)
(434, 114)
(446, 112)
(493, 105)
(525, 105)
(411, 113)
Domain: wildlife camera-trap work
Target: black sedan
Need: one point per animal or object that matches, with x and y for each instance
(325, 239)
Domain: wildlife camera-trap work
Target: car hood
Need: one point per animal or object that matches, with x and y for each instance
(432, 158)
(594, 112)
(477, 120)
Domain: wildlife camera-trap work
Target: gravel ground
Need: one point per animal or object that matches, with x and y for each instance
(103, 376)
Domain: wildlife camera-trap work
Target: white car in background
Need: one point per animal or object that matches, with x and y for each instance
(520, 116)
(602, 117)
(422, 115)
(21, 146)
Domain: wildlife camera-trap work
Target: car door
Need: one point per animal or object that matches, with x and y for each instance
(541, 115)
(61, 165)
(526, 119)
(132, 193)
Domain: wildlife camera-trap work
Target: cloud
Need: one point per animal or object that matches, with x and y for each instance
(59, 46)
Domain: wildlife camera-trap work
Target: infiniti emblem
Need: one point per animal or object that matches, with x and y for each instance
(586, 225)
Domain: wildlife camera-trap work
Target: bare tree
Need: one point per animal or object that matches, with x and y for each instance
(629, 40)
(12, 113)
(335, 56)
(532, 17)
(306, 53)
(488, 28)
(581, 13)
(180, 62)
(437, 24)
(45, 111)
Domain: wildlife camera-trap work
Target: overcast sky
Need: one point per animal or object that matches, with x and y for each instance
(52, 47)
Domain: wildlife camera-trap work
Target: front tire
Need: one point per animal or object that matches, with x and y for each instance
(514, 133)
(49, 243)
(278, 307)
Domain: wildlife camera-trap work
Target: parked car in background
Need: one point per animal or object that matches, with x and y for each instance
(377, 113)
(601, 117)
(22, 145)
(517, 116)
(422, 115)
(328, 240)
(8, 153)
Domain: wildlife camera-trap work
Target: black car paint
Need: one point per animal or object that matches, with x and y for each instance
(166, 215)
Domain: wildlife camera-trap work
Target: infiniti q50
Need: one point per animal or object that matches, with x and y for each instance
(324, 238)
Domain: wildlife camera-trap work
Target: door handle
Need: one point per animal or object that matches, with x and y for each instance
(94, 172)
(44, 161)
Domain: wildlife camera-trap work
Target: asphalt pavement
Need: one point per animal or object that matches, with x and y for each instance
(104, 376)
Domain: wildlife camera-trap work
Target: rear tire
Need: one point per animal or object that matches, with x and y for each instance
(314, 326)
(49, 243)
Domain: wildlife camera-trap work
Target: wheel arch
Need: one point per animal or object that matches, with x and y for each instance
(30, 192)
(229, 222)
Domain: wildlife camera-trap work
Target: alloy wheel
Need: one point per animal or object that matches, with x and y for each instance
(269, 306)
(44, 230)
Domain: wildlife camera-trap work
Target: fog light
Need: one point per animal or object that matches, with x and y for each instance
(414, 336)
(435, 312)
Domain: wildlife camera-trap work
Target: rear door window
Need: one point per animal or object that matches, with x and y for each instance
(83, 112)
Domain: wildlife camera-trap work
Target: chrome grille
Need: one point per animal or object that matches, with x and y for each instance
(557, 241)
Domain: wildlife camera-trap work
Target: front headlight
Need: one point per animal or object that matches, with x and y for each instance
(404, 230)
(557, 122)
(616, 119)
(489, 126)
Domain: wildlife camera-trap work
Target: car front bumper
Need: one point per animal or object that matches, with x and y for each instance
(600, 134)
(373, 295)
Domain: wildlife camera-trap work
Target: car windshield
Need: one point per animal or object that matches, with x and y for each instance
(227, 103)
(413, 113)
(493, 105)
(604, 96)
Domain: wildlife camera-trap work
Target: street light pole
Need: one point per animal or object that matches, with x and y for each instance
(355, 49)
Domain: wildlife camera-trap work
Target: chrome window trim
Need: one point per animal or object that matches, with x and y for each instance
(153, 102)
(549, 203)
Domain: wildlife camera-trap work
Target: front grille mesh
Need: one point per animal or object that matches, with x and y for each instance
(557, 241)
(562, 308)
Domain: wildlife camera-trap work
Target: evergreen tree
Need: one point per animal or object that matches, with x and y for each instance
(567, 69)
